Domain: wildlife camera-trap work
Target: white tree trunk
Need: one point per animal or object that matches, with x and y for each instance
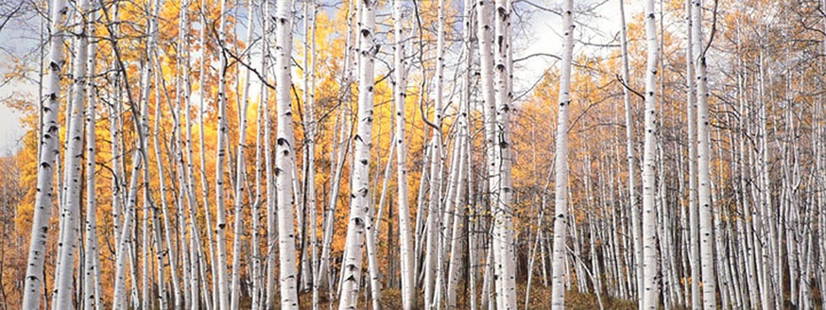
(407, 272)
(91, 288)
(694, 232)
(432, 268)
(650, 292)
(220, 262)
(703, 159)
(359, 184)
(561, 162)
(283, 155)
(632, 167)
(49, 143)
(503, 232)
(70, 208)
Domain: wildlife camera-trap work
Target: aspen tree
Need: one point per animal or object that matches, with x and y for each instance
(434, 224)
(703, 158)
(285, 146)
(629, 149)
(49, 141)
(359, 184)
(220, 262)
(70, 208)
(650, 291)
(503, 235)
(694, 232)
(561, 162)
(91, 285)
(399, 96)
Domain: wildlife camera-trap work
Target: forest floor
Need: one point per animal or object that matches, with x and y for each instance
(540, 298)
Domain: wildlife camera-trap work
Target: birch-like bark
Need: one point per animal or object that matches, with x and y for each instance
(461, 199)
(70, 209)
(432, 267)
(311, 134)
(91, 284)
(503, 232)
(703, 158)
(49, 141)
(399, 95)
(632, 167)
(650, 293)
(259, 282)
(283, 154)
(561, 162)
(693, 216)
(220, 262)
(359, 184)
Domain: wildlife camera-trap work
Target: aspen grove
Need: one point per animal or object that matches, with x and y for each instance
(413, 154)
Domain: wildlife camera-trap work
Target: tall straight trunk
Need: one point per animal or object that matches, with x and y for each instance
(632, 167)
(399, 95)
(703, 159)
(693, 216)
(220, 262)
(283, 154)
(269, 177)
(650, 292)
(561, 162)
(49, 149)
(503, 232)
(311, 252)
(359, 184)
(91, 284)
(259, 281)
(255, 256)
(484, 30)
(70, 208)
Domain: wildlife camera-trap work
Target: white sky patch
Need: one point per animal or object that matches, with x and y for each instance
(545, 36)
(11, 131)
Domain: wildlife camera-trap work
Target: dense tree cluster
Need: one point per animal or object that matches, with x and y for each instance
(286, 154)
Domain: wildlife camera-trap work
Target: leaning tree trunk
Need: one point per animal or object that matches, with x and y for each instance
(650, 292)
(561, 181)
(49, 140)
(432, 267)
(360, 181)
(240, 179)
(632, 168)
